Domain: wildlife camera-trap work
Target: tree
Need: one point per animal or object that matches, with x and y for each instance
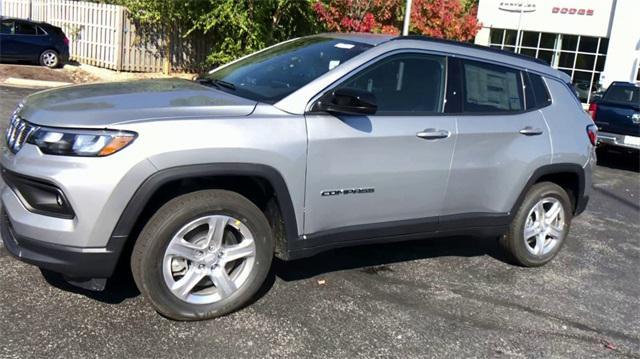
(242, 27)
(160, 21)
(450, 19)
(444, 19)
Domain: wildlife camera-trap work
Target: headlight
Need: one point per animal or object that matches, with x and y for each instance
(87, 143)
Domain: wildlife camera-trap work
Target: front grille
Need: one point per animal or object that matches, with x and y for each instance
(18, 132)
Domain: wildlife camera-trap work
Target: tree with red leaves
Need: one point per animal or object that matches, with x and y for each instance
(437, 18)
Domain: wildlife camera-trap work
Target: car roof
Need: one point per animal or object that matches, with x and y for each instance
(456, 47)
(25, 20)
(624, 84)
(362, 37)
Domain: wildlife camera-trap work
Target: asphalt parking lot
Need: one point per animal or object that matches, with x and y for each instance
(447, 298)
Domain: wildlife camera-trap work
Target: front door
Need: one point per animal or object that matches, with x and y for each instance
(7, 44)
(388, 170)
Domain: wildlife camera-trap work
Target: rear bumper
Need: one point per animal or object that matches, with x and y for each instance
(70, 261)
(614, 139)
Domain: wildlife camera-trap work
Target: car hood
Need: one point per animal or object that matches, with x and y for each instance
(109, 104)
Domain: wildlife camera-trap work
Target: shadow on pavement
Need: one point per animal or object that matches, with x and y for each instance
(375, 258)
(370, 259)
(119, 287)
(619, 159)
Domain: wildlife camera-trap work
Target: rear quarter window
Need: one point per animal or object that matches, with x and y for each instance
(540, 91)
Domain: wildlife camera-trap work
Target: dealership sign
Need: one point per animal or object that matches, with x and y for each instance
(578, 17)
(571, 11)
(518, 6)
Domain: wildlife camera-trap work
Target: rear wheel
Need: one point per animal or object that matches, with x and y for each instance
(50, 59)
(540, 225)
(203, 255)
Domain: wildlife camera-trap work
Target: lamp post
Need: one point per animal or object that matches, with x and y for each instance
(407, 18)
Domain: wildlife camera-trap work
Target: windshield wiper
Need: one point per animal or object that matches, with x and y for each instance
(217, 83)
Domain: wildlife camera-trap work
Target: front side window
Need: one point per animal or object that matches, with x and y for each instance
(409, 84)
(490, 88)
(6, 27)
(273, 74)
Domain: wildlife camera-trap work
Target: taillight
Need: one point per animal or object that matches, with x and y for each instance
(592, 132)
(66, 41)
(593, 108)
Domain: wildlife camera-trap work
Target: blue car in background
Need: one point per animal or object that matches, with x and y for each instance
(24, 40)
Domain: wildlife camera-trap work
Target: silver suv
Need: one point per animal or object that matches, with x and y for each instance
(312, 144)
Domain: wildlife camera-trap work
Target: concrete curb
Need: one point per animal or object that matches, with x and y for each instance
(34, 83)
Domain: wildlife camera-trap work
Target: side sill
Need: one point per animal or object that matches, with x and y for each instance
(483, 225)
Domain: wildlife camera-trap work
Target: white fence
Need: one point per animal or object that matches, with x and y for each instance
(102, 35)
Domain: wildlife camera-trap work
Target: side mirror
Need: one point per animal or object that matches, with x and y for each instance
(347, 101)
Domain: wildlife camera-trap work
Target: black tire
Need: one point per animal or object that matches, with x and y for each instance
(149, 249)
(514, 243)
(49, 58)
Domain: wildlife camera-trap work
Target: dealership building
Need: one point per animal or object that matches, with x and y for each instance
(595, 42)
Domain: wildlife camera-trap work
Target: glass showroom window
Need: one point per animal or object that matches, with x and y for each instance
(580, 57)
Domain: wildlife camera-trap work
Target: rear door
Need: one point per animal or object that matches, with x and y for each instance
(500, 142)
(387, 170)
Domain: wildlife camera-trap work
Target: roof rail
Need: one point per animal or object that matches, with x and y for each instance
(471, 46)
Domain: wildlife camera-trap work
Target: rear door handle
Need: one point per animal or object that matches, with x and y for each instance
(530, 131)
(433, 134)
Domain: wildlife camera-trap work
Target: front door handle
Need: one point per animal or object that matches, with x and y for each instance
(433, 134)
(530, 131)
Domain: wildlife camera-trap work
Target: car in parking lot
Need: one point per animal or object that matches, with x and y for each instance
(312, 144)
(617, 115)
(38, 42)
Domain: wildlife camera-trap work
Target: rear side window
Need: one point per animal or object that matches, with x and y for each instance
(25, 29)
(406, 84)
(623, 94)
(491, 88)
(41, 31)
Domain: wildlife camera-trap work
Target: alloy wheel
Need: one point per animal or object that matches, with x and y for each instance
(208, 259)
(545, 226)
(49, 58)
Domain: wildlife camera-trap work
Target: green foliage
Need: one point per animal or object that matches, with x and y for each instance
(233, 28)
(242, 27)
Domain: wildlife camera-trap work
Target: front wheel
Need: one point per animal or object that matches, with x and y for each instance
(540, 225)
(203, 255)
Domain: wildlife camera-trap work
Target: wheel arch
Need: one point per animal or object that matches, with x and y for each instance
(132, 218)
(569, 176)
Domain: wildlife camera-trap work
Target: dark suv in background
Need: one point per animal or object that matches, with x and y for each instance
(23, 40)
(617, 115)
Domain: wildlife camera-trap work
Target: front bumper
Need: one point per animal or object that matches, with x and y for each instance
(614, 139)
(73, 262)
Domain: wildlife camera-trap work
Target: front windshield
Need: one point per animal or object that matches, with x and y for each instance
(271, 75)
